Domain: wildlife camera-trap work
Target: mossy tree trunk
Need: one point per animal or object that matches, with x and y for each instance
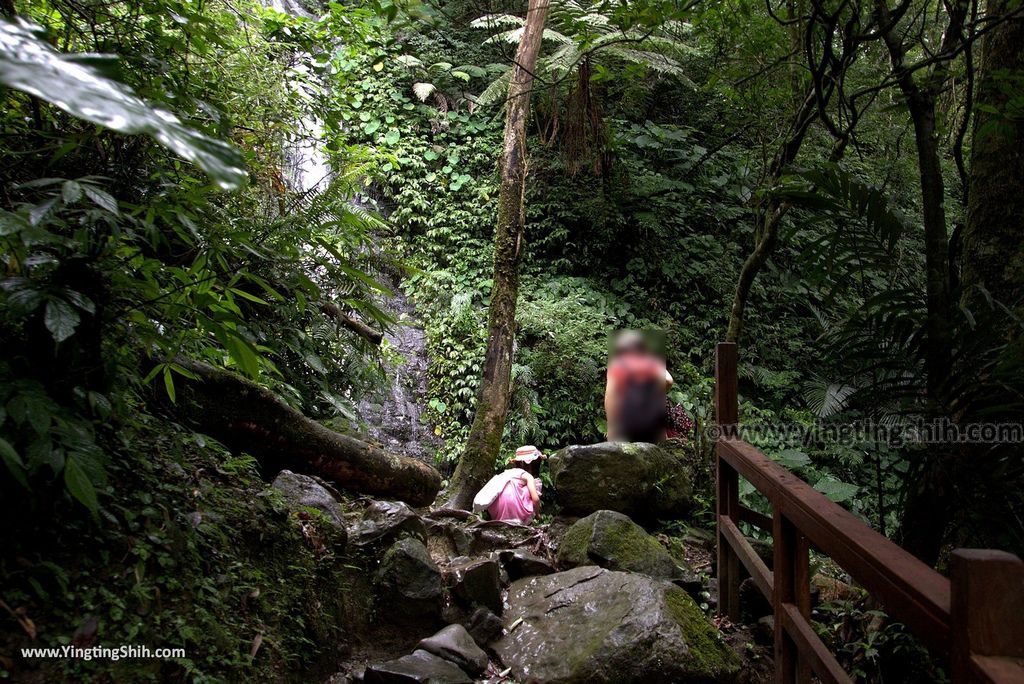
(769, 216)
(930, 505)
(477, 463)
(249, 418)
(993, 249)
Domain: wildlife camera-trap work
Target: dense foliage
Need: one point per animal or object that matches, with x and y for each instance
(155, 206)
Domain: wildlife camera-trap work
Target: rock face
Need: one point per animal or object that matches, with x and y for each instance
(637, 479)
(519, 563)
(303, 491)
(408, 583)
(595, 625)
(476, 582)
(454, 644)
(419, 666)
(484, 626)
(383, 522)
(613, 541)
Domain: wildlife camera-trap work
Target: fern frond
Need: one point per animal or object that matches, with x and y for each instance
(492, 21)
(827, 398)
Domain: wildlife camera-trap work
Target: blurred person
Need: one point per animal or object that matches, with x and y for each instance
(634, 395)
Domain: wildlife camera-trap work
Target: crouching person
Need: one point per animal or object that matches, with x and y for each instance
(513, 495)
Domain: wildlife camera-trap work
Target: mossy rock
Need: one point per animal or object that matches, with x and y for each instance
(613, 541)
(590, 624)
(640, 480)
(408, 584)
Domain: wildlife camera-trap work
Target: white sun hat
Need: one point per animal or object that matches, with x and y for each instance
(527, 454)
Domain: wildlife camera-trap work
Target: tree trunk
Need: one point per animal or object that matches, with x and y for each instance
(936, 245)
(769, 216)
(249, 418)
(931, 503)
(371, 335)
(477, 463)
(993, 251)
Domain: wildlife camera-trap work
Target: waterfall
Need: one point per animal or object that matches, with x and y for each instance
(305, 163)
(393, 416)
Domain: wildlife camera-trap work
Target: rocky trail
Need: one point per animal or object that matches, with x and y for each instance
(592, 596)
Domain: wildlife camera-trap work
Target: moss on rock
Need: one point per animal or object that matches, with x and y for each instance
(707, 650)
(611, 540)
(637, 479)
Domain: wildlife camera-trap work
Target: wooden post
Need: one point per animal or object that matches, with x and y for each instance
(802, 594)
(986, 616)
(727, 480)
(783, 570)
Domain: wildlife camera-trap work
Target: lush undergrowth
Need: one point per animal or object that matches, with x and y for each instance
(192, 550)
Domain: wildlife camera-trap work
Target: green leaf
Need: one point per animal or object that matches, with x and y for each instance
(60, 319)
(79, 484)
(392, 136)
(315, 363)
(252, 298)
(39, 212)
(71, 192)
(169, 384)
(836, 490)
(13, 462)
(84, 90)
(791, 458)
(243, 355)
(101, 198)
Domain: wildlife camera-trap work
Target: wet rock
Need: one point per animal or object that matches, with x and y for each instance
(302, 491)
(764, 550)
(637, 479)
(519, 563)
(383, 522)
(455, 644)
(484, 626)
(394, 419)
(590, 624)
(475, 582)
(419, 666)
(764, 630)
(613, 541)
(408, 584)
(494, 535)
(692, 584)
(753, 604)
(448, 538)
(830, 589)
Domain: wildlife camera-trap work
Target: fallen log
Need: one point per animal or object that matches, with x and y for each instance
(372, 335)
(247, 417)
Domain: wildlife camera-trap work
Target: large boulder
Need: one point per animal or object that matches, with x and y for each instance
(384, 522)
(408, 584)
(419, 667)
(456, 645)
(590, 624)
(484, 626)
(519, 563)
(637, 479)
(304, 492)
(475, 582)
(613, 541)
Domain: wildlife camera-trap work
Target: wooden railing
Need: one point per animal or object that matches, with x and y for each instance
(973, 621)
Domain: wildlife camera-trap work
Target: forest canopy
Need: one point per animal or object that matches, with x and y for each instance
(406, 230)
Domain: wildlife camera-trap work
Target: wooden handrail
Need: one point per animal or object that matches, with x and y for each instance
(981, 637)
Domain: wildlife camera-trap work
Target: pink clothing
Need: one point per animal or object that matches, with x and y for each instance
(514, 504)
